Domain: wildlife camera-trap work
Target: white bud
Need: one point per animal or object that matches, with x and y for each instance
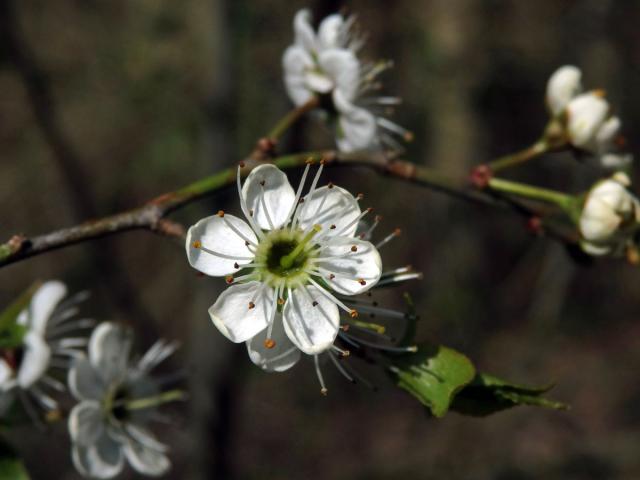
(609, 215)
(562, 87)
(586, 114)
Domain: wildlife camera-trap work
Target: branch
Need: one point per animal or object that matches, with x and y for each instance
(151, 216)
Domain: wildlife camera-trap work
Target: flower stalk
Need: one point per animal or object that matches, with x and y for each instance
(533, 151)
(565, 202)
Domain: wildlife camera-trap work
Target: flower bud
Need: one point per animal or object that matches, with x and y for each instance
(609, 216)
(562, 87)
(586, 117)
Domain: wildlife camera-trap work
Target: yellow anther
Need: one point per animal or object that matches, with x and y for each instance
(269, 343)
(196, 244)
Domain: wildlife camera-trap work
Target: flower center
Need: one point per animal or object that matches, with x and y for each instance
(286, 256)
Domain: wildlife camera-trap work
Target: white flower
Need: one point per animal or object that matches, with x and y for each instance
(586, 117)
(116, 399)
(563, 86)
(296, 257)
(326, 64)
(45, 321)
(609, 217)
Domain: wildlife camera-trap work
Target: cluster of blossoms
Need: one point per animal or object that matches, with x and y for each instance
(586, 118)
(610, 215)
(326, 64)
(116, 395)
(292, 267)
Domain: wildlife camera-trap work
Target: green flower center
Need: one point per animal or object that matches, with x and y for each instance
(286, 256)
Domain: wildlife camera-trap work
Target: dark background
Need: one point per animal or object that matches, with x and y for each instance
(106, 104)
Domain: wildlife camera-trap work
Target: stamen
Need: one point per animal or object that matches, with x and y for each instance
(252, 305)
(244, 208)
(386, 348)
(341, 368)
(269, 343)
(368, 233)
(354, 221)
(395, 128)
(312, 189)
(274, 309)
(323, 388)
(398, 279)
(324, 198)
(340, 351)
(220, 213)
(388, 238)
(298, 193)
(197, 244)
(264, 206)
(280, 356)
(247, 241)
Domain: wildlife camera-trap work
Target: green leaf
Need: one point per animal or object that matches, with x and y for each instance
(433, 375)
(11, 467)
(488, 394)
(11, 333)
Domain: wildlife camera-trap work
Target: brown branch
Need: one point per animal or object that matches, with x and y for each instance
(151, 216)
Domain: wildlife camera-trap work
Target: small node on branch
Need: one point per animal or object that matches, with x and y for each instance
(267, 146)
(535, 225)
(480, 176)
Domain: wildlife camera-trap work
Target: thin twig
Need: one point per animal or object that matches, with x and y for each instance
(151, 216)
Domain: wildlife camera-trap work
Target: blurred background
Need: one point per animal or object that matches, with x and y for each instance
(104, 105)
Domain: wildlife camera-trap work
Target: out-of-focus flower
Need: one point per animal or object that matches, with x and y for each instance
(563, 86)
(326, 64)
(44, 327)
(286, 267)
(609, 217)
(117, 398)
(586, 118)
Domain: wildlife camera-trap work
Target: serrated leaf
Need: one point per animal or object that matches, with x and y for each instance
(433, 375)
(11, 467)
(488, 394)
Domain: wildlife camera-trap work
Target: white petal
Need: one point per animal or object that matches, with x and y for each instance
(295, 62)
(146, 460)
(86, 423)
(281, 357)
(595, 250)
(339, 208)
(232, 315)
(109, 349)
(144, 436)
(607, 133)
(215, 234)
(101, 460)
(357, 127)
(43, 304)
(304, 34)
(84, 381)
(616, 160)
(312, 328)
(344, 68)
(318, 82)
(564, 84)
(330, 32)
(35, 361)
(586, 114)
(6, 373)
(351, 267)
(268, 185)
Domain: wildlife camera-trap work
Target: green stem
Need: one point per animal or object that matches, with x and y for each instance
(154, 401)
(529, 153)
(292, 117)
(560, 199)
